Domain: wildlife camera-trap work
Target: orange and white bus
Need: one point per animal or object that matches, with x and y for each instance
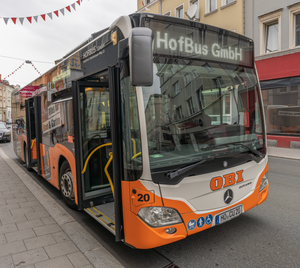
(154, 127)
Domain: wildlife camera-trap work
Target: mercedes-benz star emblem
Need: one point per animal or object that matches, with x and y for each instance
(228, 196)
(225, 164)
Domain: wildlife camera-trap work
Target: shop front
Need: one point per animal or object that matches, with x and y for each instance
(280, 83)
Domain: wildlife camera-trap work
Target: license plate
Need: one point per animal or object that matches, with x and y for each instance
(229, 214)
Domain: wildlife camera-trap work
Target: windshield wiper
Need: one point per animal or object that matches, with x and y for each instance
(173, 174)
(254, 151)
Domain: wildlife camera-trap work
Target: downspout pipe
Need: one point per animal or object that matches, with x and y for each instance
(160, 6)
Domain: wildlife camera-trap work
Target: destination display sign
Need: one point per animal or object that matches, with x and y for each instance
(174, 40)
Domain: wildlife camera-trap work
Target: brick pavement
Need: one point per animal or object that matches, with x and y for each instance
(35, 232)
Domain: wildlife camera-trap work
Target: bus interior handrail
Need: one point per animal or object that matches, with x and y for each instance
(90, 155)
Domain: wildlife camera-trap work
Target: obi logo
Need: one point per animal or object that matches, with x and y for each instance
(227, 180)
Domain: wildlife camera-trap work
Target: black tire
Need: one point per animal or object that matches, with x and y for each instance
(26, 158)
(66, 185)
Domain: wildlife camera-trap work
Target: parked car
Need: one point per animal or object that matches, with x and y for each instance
(5, 134)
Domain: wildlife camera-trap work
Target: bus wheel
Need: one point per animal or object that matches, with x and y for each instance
(27, 158)
(66, 185)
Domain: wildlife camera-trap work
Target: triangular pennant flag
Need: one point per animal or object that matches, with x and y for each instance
(43, 16)
(29, 19)
(56, 13)
(78, 2)
(62, 11)
(21, 20)
(36, 18)
(73, 5)
(57, 88)
(6, 20)
(50, 15)
(68, 8)
(14, 20)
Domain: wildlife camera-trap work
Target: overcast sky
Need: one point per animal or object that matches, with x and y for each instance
(47, 41)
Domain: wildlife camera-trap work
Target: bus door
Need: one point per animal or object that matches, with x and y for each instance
(93, 148)
(33, 130)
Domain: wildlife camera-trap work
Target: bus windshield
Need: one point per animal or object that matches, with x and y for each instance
(201, 105)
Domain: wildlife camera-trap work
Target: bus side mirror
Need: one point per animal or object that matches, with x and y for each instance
(140, 57)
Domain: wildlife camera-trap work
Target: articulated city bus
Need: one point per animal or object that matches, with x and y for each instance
(155, 128)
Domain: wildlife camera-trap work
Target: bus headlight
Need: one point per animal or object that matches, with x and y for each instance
(159, 216)
(264, 183)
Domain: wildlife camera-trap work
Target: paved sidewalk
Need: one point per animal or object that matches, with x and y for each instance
(284, 152)
(36, 232)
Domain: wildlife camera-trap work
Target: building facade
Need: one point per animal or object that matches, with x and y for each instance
(227, 14)
(5, 100)
(274, 26)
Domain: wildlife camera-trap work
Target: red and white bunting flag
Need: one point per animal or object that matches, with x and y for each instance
(21, 19)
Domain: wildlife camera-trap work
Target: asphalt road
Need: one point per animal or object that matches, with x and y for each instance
(266, 236)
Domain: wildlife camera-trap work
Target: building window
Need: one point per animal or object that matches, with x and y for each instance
(176, 89)
(172, 70)
(179, 113)
(294, 25)
(211, 5)
(187, 79)
(297, 30)
(270, 31)
(179, 12)
(147, 2)
(191, 106)
(196, 73)
(271, 44)
(227, 2)
(208, 67)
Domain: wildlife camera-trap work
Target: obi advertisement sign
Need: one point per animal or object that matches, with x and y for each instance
(28, 91)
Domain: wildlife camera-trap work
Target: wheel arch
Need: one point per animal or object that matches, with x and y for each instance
(62, 154)
(61, 159)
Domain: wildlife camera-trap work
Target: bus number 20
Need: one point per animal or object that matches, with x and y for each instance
(143, 197)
